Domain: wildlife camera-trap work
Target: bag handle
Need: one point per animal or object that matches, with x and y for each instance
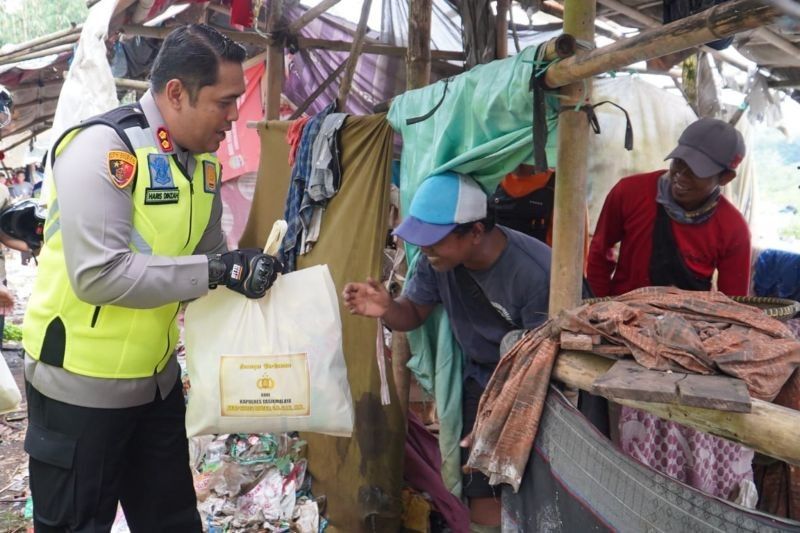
(275, 237)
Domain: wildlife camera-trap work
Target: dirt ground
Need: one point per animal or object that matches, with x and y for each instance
(13, 460)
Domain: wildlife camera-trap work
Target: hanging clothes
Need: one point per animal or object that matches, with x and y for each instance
(323, 184)
(297, 188)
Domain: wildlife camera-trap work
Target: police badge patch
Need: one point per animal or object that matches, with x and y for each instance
(209, 176)
(160, 171)
(121, 168)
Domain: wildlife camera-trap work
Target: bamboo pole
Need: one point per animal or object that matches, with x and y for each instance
(717, 22)
(273, 86)
(418, 58)
(43, 39)
(126, 83)
(501, 29)
(69, 39)
(35, 55)
(570, 191)
(318, 91)
(649, 22)
(768, 428)
(311, 14)
(355, 52)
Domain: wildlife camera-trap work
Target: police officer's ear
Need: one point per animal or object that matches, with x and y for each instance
(726, 176)
(176, 93)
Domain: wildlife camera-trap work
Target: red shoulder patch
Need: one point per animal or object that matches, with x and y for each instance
(121, 168)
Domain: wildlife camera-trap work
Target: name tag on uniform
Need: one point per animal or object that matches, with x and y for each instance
(161, 196)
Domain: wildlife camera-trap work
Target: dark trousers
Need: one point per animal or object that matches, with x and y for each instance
(84, 460)
(475, 484)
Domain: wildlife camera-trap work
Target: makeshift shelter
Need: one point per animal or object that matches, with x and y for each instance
(361, 477)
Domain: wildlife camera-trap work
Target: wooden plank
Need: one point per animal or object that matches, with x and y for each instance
(611, 350)
(723, 393)
(768, 428)
(576, 341)
(628, 380)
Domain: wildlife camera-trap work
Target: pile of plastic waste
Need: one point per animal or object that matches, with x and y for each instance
(250, 483)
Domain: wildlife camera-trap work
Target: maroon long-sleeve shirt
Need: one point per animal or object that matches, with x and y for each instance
(628, 216)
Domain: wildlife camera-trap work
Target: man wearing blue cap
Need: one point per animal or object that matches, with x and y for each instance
(490, 280)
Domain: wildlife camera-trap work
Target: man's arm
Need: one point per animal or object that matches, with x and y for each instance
(213, 239)
(608, 233)
(96, 224)
(373, 300)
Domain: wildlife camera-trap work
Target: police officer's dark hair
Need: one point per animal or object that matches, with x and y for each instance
(192, 54)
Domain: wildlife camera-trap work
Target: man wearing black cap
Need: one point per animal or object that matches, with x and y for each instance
(675, 228)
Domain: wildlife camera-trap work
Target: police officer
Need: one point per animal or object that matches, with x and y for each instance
(133, 230)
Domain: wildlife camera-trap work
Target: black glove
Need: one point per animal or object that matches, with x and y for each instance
(248, 271)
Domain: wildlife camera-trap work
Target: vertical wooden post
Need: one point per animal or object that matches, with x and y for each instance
(355, 52)
(418, 74)
(501, 28)
(570, 196)
(274, 74)
(418, 56)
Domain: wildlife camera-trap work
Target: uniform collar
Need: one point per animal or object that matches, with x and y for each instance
(158, 128)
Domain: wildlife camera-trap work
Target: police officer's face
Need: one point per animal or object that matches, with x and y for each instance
(203, 124)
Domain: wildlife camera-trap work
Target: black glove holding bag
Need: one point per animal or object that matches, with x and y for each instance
(248, 271)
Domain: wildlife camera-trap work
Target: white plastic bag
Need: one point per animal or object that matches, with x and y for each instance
(9, 392)
(273, 364)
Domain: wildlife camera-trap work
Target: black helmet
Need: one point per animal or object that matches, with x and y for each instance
(24, 221)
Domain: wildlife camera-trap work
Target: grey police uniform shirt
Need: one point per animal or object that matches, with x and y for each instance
(96, 227)
(517, 285)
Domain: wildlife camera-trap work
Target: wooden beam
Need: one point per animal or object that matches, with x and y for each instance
(717, 22)
(311, 14)
(302, 42)
(68, 39)
(274, 69)
(34, 55)
(566, 272)
(780, 43)
(44, 39)
(501, 29)
(649, 22)
(355, 53)
(38, 101)
(318, 91)
(418, 58)
(768, 428)
(374, 48)
(137, 85)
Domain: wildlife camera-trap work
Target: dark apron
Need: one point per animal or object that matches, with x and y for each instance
(667, 267)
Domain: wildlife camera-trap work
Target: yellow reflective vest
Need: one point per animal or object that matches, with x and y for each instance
(170, 215)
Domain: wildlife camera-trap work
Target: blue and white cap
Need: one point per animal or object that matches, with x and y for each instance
(440, 204)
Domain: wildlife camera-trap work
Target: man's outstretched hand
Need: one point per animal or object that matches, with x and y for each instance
(367, 299)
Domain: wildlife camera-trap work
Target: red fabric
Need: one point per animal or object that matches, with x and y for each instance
(242, 12)
(240, 150)
(293, 135)
(423, 472)
(628, 216)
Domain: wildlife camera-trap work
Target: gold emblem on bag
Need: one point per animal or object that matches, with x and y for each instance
(265, 382)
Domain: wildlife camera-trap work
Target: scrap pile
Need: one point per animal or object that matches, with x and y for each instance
(254, 483)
